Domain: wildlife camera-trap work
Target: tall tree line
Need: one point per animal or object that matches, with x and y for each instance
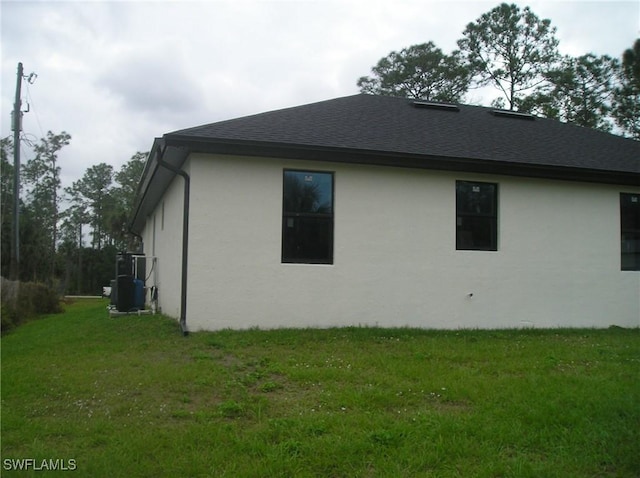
(516, 52)
(68, 236)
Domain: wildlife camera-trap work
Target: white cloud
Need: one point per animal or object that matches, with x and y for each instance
(117, 74)
(147, 85)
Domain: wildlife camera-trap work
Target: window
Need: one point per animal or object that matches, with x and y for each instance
(307, 217)
(630, 231)
(476, 216)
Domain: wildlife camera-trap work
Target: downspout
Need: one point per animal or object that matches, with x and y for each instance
(185, 238)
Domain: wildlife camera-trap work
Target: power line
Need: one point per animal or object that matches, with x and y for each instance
(33, 105)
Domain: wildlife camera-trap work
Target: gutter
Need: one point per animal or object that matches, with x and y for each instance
(185, 238)
(404, 160)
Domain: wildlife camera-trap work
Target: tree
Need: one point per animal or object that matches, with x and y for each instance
(129, 175)
(74, 218)
(127, 178)
(510, 49)
(6, 204)
(36, 261)
(419, 71)
(41, 175)
(92, 193)
(578, 91)
(105, 206)
(626, 99)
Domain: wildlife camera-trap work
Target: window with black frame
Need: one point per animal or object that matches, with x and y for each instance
(476, 216)
(307, 217)
(630, 231)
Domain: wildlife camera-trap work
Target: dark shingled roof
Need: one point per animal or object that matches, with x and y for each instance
(379, 126)
(395, 132)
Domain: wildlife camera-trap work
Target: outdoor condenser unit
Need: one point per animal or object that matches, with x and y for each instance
(129, 284)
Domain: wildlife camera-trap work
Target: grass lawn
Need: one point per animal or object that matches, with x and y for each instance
(131, 397)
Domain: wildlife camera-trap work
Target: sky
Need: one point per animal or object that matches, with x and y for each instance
(117, 74)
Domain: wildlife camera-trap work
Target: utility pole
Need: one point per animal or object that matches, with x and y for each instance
(17, 127)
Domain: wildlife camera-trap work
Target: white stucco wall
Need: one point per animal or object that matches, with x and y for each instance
(166, 245)
(395, 259)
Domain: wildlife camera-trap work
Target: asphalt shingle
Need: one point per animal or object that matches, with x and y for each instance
(395, 126)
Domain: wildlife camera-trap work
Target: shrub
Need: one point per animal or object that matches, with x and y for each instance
(24, 300)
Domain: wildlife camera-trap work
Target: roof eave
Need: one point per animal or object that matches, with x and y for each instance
(155, 180)
(395, 159)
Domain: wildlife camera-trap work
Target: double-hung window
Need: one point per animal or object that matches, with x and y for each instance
(630, 231)
(307, 217)
(476, 216)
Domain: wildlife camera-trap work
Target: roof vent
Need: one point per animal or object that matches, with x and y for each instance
(436, 106)
(513, 114)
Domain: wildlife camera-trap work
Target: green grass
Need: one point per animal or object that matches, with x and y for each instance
(131, 397)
